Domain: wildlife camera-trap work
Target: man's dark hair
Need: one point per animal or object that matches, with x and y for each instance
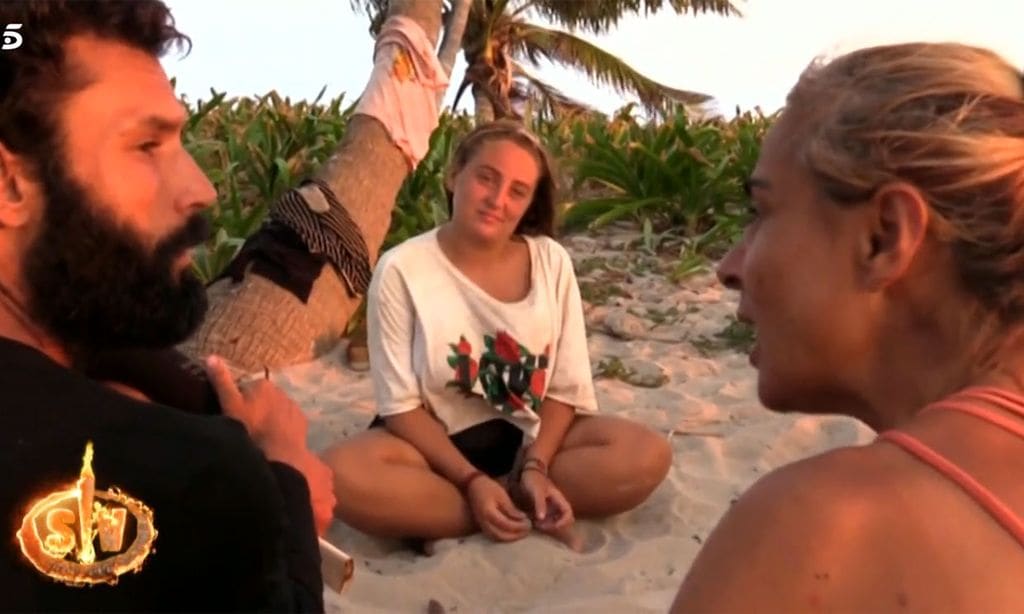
(36, 77)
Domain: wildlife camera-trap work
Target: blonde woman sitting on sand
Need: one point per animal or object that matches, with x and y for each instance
(481, 371)
(885, 274)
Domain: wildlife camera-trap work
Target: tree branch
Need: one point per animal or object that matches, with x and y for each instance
(454, 29)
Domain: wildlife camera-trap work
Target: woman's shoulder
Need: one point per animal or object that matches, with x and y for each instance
(548, 244)
(412, 252)
(833, 495)
(814, 519)
(827, 495)
(846, 484)
(552, 254)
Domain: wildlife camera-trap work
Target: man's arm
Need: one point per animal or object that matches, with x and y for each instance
(302, 552)
(165, 376)
(253, 533)
(279, 428)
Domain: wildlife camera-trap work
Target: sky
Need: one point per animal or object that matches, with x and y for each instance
(297, 47)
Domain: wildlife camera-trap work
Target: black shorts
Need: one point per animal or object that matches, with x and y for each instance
(492, 446)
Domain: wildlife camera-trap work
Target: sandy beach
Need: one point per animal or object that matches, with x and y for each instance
(665, 353)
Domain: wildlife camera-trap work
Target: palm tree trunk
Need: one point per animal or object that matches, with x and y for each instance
(482, 106)
(454, 30)
(255, 323)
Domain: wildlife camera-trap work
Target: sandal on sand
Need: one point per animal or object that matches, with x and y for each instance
(419, 545)
(357, 354)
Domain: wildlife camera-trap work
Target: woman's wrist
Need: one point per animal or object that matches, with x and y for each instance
(467, 480)
(532, 463)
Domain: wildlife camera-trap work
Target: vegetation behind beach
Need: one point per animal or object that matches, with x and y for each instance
(680, 179)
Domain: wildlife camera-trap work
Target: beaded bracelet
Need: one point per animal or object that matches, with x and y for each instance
(536, 464)
(465, 482)
(531, 468)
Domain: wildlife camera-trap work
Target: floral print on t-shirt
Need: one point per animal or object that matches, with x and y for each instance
(507, 375)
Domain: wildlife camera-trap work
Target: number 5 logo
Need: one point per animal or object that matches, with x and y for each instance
(12, 38)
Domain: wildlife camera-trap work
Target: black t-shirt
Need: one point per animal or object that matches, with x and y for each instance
(234, 531)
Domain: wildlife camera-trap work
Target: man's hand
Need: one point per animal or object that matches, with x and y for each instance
(494, 511)
(127, 391)
(278, 427)
(321, 492)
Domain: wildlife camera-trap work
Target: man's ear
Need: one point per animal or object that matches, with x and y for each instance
(897, 224)
(14, 190)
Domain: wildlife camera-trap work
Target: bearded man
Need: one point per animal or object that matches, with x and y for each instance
(100, 205)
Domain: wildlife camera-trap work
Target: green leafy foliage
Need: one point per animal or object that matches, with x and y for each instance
(422, 203)
(680, 179)
(253, 150)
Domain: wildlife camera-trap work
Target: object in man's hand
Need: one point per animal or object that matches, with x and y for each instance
(357, 354)
(336, 567)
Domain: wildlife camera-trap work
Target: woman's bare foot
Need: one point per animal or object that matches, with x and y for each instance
(568, 536)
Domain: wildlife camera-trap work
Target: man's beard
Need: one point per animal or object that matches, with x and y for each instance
(94, 286)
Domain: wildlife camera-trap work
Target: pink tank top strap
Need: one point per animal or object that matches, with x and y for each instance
(983, 496)
(982, 412)
(1006, 401)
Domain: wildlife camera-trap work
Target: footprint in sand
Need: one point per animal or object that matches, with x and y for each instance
(651, 520)
(601, 544)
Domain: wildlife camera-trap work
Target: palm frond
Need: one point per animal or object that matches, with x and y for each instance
(466, 83)
(372, 7)
(599, 16)
(552, 101)
(369, 7)
(536, 43)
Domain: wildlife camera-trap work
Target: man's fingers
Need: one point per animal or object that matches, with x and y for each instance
(228, 394)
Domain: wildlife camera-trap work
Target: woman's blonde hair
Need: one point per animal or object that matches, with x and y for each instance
(947, 118)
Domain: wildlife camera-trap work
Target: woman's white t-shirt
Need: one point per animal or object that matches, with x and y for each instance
(437, 339)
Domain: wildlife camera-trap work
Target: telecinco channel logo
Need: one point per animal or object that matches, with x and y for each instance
(12, 37)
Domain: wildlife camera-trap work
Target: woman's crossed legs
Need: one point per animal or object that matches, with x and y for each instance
(384, 486)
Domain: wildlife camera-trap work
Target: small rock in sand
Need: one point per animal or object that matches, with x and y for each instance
(582, 243)
(670, 333)
(624, 325)
(596, 315)
(644, 373)
(622, 242)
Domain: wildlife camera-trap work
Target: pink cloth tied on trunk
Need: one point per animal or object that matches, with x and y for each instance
(403, 90)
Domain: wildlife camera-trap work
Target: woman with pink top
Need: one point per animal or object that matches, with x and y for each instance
(884, 272)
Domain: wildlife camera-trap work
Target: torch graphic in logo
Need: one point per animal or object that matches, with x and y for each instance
(58, 534)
